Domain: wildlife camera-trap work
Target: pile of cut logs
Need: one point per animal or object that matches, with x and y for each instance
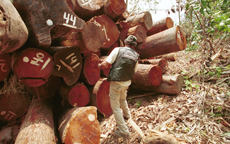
(54, 47)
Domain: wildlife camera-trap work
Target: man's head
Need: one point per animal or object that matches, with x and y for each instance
(131, 40)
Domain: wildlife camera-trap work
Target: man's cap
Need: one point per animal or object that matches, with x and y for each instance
(131, 40)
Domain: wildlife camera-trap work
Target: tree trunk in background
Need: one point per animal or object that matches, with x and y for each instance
(80, 125)
(90, 70)
(54, 19)
(160, 25)
(163, 63)
(13, 31)
(46, 90)
(144, 19)
(167, 41)
(13, 105)
(87, 9)
(114, 8)
(139, 31)
(5, 65)
(33, 67)
(99, 97)
(68, 63)
(109, 28)
(147, 75)
(170, 56)
(77, 94)
(38, 125)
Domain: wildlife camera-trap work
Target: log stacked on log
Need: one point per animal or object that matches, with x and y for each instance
(67, 40)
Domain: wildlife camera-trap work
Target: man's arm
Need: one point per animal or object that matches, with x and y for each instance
(104, 64)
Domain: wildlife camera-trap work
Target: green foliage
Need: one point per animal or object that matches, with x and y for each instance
(138, 104)
(214, 16)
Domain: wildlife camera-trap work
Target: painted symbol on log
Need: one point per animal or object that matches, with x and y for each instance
(69, 18)
(85, 2)
(103, 29)
(72, 65)
(2, 65)
(39, 58)
(8, 115)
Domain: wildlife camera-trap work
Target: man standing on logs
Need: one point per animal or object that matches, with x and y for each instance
(124, 61)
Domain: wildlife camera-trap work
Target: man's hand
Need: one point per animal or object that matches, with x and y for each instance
(104, 64)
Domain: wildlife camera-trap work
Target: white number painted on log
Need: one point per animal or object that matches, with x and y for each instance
(73, 60)
(9, 115)
(85, 2)
(38, 58)
(103, 29)
(68, 18)
(2, 65)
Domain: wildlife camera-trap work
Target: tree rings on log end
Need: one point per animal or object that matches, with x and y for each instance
(181, 38)
(80, 125)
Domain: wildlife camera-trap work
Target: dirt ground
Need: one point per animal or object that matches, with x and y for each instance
(199, 114)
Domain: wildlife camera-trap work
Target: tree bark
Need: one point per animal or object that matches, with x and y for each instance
(88, 9)
(68, 63)
(5, 65)
(163, 63)
(46, 90)
(90, 71)
(139, 31)
(93, 37)
(33, 67)
(99, 97)
(12, 106)
(47, 20)
(167, 41)
(13, 31)
(77, 94)
(144, 19)
(109, 28)
(38, 125)
(114, 8)
(169, 56)
(147, 75)
(80, 125)
(171, 84)
(160, 25)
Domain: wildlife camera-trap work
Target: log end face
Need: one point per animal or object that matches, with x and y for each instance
(169, 22)
(5, 62)
(181, 38)
(155, 75)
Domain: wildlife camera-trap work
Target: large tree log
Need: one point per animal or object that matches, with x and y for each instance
(5, 65)
(47, 20)
(33, 66)
(80, 125)
(99, 97)
(163, 63)
(90, 70)
(13, 31)
(93, 38)
(46, 90)
(169, 56)
(144, 19)
(68, 63)
(109, 28)
(167, 41)
(38, 125)
(139, 31)
(77, 94)
(13, 105)
(87, 9)
(147, 75)
(114, 8)
(160, 25)
(171, 84)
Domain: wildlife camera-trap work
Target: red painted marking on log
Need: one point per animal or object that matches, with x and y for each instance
(5, 66)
